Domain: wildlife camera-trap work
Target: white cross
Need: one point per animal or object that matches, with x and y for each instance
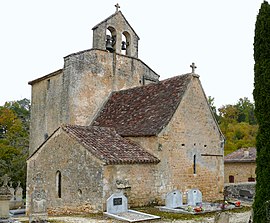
(117, 6)
(193, 67)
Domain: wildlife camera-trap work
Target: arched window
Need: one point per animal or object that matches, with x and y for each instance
(110, 39)
(125, 46)
(58, 184)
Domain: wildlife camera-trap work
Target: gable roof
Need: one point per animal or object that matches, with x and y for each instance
(145, 110)
(108, 146)
(241, 155)
(114, 14)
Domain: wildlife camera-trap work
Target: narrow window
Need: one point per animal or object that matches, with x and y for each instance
(251, 179)
(58, 183)
(231, 179)
(194, 164)
(48, 84)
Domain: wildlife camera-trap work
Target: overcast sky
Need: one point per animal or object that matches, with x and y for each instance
(216, 35)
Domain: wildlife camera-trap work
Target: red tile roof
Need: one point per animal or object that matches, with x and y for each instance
(108, 146)
(241, 155)
(145, 110)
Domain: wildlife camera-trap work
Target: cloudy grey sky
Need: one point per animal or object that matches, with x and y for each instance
(216, 35)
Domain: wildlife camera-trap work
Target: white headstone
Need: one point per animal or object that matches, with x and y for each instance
(174, 199)
(19, 192)
(12, 191)
(117, 203)
(194, 197)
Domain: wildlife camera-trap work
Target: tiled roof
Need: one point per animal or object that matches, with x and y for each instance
(145, 110)
(241, 155)
(108, 146)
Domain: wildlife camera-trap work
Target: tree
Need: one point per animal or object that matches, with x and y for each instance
(261, 94)
(246, 111)
(14, 139)
(238, 125)
(213, 107)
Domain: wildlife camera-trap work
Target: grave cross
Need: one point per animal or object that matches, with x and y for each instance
(193, 67)
(5, 179)
(117, 6)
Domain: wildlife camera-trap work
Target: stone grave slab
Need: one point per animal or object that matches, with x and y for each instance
(174, 199)
(117, 207)
(194, 197)
(173, 203)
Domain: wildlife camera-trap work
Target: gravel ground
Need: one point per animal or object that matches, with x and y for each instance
(234, 218)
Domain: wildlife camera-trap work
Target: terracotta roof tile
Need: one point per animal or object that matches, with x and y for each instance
(241, 155)
(145, 110)
(108, 146)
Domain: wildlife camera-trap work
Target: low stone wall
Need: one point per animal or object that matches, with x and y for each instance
(231, 190)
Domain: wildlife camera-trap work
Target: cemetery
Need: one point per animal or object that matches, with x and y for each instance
(10, 198)
(176, 202)
(194, 205)
(117, 207)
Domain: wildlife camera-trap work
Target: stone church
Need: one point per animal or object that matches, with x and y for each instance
(104, 123)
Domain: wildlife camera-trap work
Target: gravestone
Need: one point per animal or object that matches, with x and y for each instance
(12, 191)
(174, 199)
(5, 197)
(38, 207)
(194, 197)
(117, 203)
(117, 207)
(19, 192)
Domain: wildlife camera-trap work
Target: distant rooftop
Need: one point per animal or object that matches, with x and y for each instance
(241, 155)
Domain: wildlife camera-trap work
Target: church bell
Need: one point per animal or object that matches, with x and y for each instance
(124, 45)
(109, 44)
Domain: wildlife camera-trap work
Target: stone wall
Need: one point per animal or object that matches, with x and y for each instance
(136, 181)
(192, 131)
(118, 25)
(232, 190)
(241, 171)
(75, 94)
(45, 108)
(81, 175)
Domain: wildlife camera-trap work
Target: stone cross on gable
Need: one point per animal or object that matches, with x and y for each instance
(117, 6)
(193, 68)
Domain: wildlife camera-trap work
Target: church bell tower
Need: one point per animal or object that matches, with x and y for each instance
(116, 35)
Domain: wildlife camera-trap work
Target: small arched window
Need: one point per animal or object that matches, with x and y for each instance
(58, 184)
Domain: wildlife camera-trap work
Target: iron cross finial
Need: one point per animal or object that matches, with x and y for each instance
(193, 68)
(117, 6)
